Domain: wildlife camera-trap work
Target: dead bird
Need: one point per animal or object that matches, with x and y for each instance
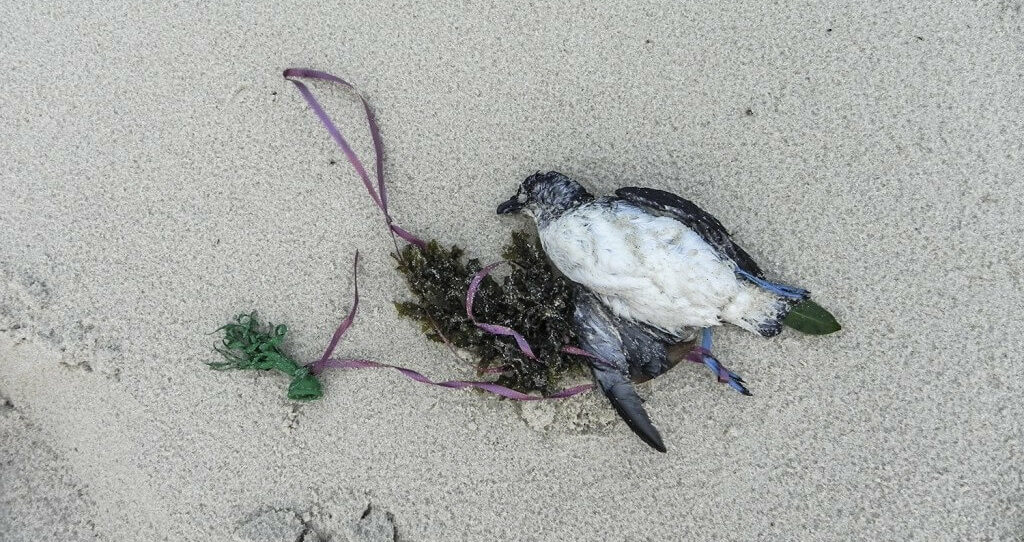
(658, 266)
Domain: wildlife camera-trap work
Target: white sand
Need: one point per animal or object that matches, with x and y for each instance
(160, 176)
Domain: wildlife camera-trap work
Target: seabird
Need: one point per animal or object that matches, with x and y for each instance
(653, 267)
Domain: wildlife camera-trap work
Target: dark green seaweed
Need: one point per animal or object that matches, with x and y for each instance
(533, 299)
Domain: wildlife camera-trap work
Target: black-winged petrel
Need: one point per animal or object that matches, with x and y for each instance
(654, 267)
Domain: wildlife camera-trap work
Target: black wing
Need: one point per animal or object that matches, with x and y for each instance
(699, 220)
(624, 348)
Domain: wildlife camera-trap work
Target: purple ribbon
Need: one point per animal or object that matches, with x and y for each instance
(577, 351)
(327, 362)
(380, 194)
(319, 365)
(489, 387)
(494, 329)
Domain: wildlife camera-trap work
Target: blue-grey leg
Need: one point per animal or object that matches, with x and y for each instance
(723, 374)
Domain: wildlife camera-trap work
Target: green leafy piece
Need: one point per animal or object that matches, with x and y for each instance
(247, 345)
(304, 387)
(532, 299)
(811, 318)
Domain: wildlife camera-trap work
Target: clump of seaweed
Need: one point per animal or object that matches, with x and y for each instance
(532, 299)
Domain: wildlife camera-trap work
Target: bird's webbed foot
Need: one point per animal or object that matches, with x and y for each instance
(702, 354)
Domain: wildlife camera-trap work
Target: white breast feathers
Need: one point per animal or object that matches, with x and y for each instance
(651, 269)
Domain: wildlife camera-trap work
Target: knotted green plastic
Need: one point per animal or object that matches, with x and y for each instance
(248, 345)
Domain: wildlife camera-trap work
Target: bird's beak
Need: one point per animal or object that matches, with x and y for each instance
(511, 206)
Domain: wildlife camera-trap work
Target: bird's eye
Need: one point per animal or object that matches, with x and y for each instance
(521, 197)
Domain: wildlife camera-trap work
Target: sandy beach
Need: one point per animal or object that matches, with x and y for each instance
(160, 176)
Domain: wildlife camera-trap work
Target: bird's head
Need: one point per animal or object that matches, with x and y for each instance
(545, 196)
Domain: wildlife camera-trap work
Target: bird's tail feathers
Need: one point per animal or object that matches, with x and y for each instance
(776, 301)
(772, 325)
